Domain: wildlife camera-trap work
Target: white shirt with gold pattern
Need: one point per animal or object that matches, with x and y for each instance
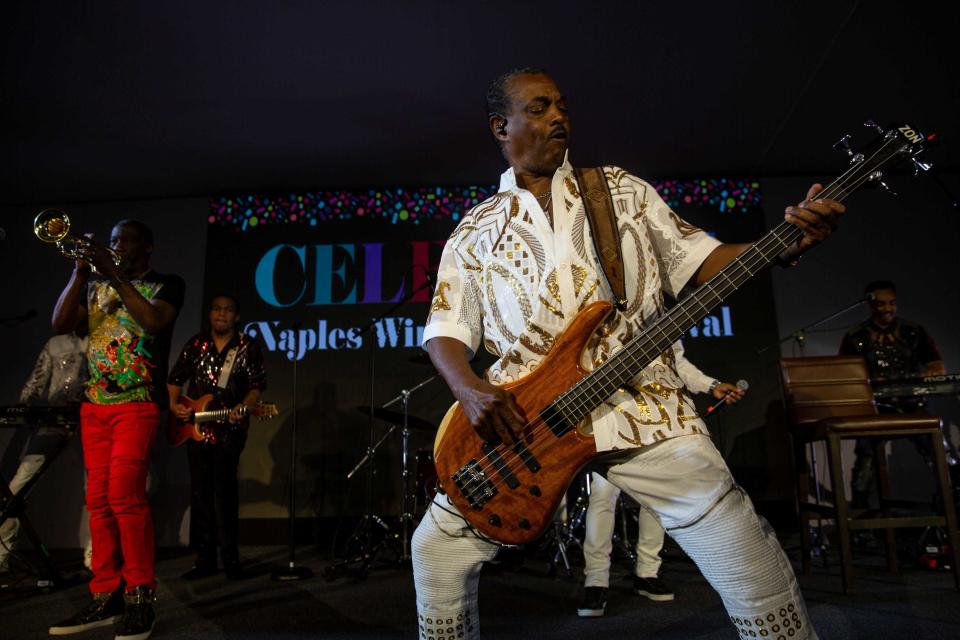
(509, 280)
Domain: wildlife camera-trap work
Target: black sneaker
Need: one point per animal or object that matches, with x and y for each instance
(653, 588)
(138, 618)
(103, 610)
(593, 603)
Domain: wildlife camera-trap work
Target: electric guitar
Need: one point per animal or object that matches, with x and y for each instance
(208, 425)
(510, 493)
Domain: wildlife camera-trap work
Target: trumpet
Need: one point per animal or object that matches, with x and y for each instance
(53, 226)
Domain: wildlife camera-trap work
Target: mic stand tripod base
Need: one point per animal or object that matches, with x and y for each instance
(290, 573)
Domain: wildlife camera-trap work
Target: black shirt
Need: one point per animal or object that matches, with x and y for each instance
(200, 363)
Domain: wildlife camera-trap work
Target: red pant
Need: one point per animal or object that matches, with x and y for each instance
(116, 440)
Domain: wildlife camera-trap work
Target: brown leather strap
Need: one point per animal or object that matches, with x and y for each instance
(598, 203)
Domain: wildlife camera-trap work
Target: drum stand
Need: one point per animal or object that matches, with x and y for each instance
(563, 534)
(362, 538)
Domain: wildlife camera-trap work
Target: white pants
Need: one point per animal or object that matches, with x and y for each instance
(598, 536)
(45, 441)
(686, 483)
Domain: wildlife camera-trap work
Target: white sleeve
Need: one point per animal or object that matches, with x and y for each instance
(680, 247)
(694, 379)
(456, 310)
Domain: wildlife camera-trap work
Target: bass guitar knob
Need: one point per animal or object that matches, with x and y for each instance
(494, 520)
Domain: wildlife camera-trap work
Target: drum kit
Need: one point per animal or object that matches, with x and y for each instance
(418, 481)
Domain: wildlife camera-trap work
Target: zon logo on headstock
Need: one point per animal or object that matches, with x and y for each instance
(910, 134)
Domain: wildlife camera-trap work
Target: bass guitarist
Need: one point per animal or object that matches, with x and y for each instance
(228, 365)
(513, 275)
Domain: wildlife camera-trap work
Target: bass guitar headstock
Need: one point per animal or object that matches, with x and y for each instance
(894, 144)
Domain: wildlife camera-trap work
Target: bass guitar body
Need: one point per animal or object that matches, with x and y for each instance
(510, 492)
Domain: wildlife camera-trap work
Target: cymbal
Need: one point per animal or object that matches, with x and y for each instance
(396, 417)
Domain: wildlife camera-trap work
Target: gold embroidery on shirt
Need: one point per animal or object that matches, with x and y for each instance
(535, 248)
(510, 357)
(645, 419)
(518, 292)
(625, 230)
(656, 392)
(685, 228)
(492, 347)
(545, 344)
(473, 263)
(681, 414)
(571, 187)
(614, 175)
(627, 334)
(634, 426)
(440, 299)
(579, 277)
(514, 210)
(641, 204)
(554, 288)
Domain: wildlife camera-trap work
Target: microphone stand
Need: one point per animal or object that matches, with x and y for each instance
(799, 335)
(363, 533)
(818, 541)
(292, 571)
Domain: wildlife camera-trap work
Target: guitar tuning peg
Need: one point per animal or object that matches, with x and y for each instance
(843, 144)
(920, 165)
(872, 124)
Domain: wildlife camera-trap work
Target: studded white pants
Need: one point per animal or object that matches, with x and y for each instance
(686, 484)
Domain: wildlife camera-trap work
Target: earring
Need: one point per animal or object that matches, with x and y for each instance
(502, 127)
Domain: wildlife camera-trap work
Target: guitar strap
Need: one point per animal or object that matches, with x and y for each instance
(598, 204)
(227, 367)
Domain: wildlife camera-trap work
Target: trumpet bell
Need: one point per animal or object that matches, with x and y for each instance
(51, 225)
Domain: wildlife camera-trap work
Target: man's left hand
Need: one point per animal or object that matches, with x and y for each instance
(816, 217)
(728, 392)
(237, 413)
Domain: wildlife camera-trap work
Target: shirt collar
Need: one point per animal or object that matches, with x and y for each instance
(508, 179)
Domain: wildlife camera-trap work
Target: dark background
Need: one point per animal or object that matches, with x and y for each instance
(144, 110)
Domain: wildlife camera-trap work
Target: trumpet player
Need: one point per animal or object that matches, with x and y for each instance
(130, 310)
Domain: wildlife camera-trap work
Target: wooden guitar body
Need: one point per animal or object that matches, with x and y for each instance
(522, 506)
(208, 425)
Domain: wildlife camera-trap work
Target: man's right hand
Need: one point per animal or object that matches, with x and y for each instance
(80, 266)
(492, 412)
(182, 412)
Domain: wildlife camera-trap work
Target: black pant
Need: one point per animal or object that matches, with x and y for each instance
(215, 499)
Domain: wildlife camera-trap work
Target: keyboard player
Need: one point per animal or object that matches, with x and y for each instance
(893, 348)
(56, 380)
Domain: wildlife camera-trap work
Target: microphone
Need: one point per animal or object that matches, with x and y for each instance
(743, 385)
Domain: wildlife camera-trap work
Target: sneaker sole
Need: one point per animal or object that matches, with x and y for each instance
(138, 636)
(656, 597)
(590, 613)
(80, 628)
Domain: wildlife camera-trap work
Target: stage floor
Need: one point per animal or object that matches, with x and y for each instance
(518, 599)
